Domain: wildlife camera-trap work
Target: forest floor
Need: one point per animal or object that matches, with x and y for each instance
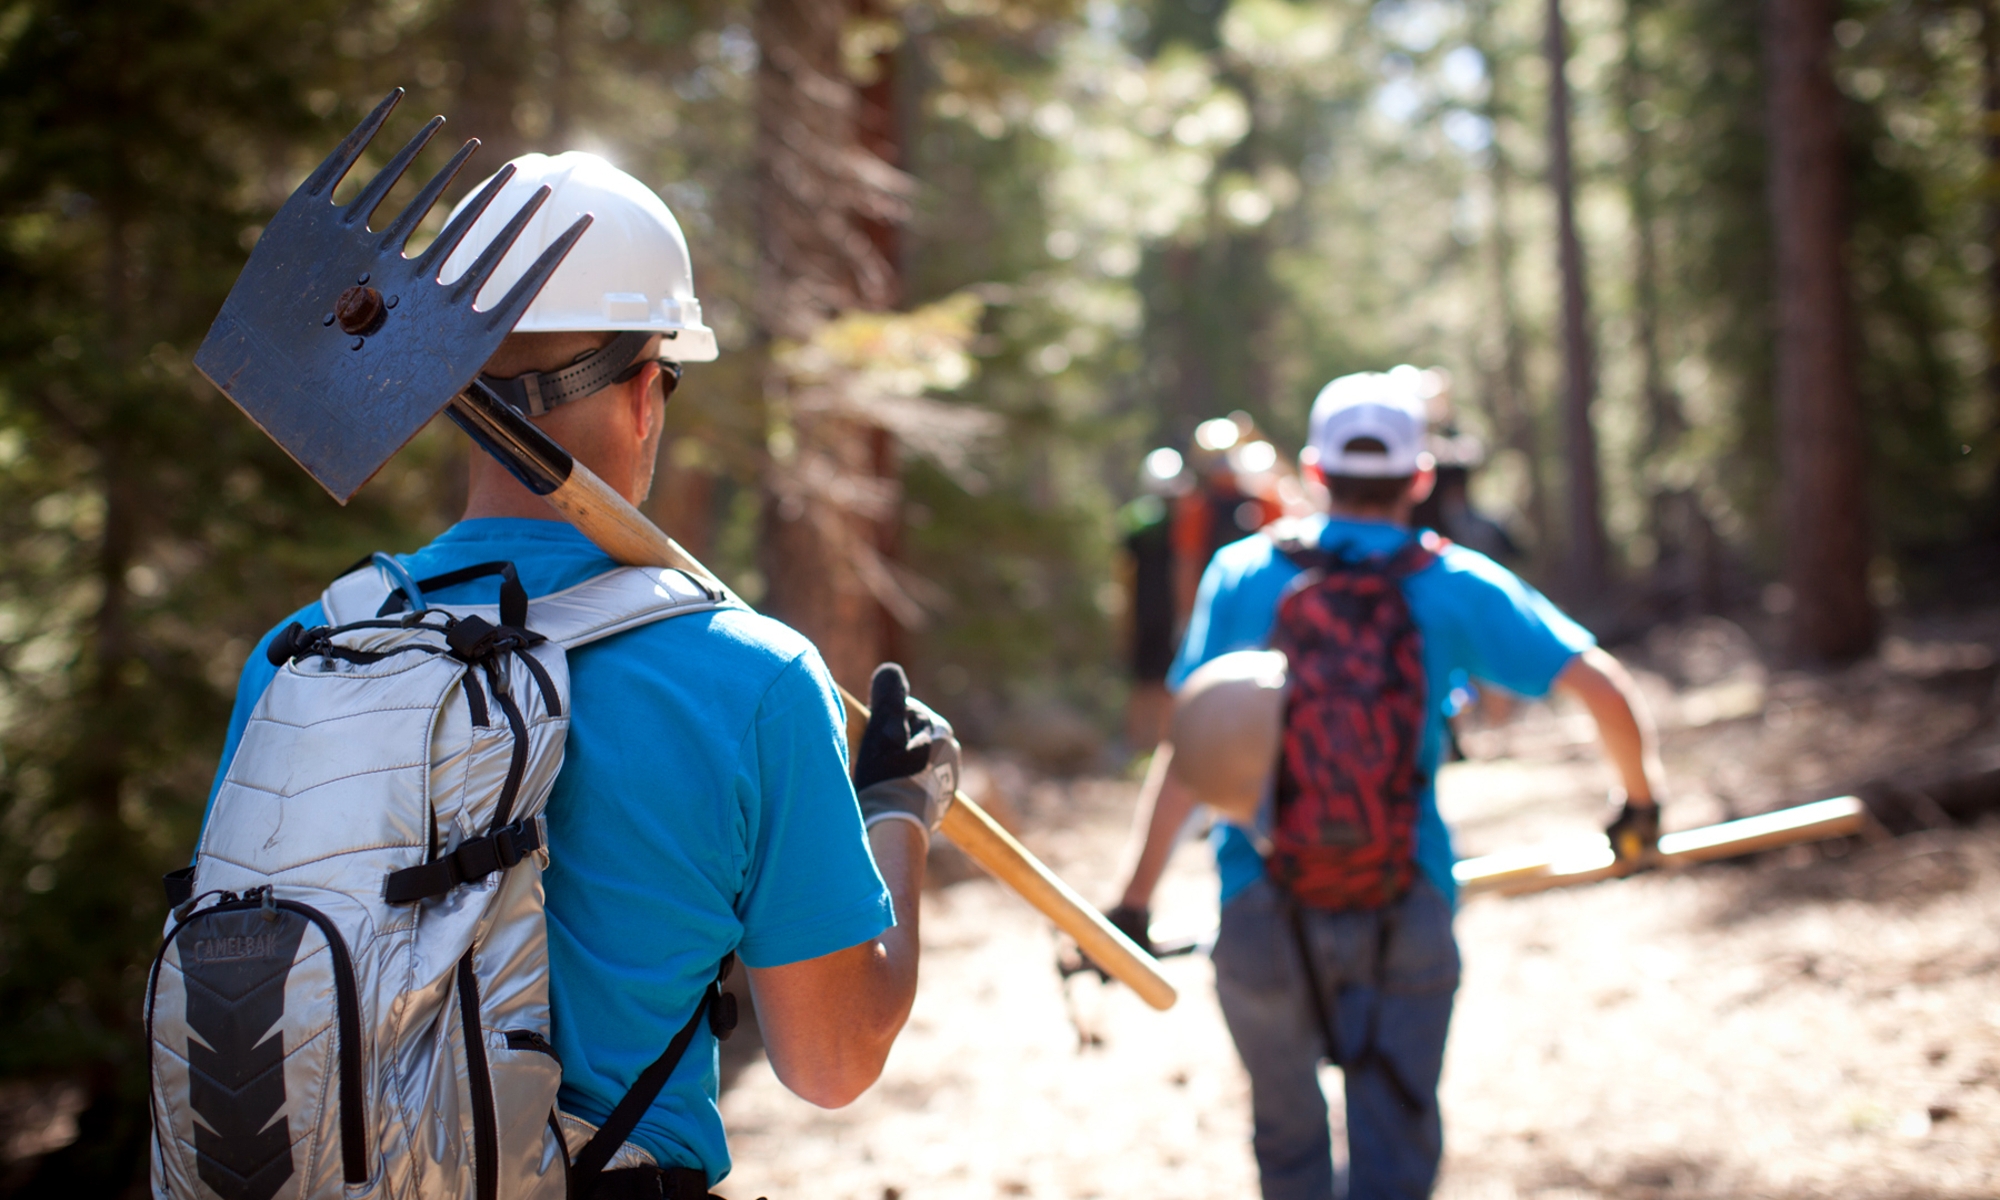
(1819, 1022)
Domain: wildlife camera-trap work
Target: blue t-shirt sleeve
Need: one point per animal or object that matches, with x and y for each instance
(812, 886)
(1234, 606)
(1201, 626)
(1509, 633)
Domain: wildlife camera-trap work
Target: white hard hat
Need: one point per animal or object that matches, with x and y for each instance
(1225, 730)
(629, 271)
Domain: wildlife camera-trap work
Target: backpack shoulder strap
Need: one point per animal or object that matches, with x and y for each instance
(616, 601)
(1419, 553)
(620, 599)
(1296, 542)
(355, 596)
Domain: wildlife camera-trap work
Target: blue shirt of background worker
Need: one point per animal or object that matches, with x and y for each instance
(1476, 618)
(703, 806)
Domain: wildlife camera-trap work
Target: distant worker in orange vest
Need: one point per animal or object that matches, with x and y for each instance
(1237, 495)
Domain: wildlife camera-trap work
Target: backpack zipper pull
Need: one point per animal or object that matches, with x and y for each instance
(269, 905)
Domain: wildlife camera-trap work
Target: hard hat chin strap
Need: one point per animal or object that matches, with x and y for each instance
(536, 392)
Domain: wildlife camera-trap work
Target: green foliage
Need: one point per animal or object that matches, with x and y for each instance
(150, 530)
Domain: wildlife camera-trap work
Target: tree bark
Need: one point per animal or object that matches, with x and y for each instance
(491, 41)
(829, 202)
(1989, 80)
(1513, 412)
(1821, 452)
(1585, 573)
(1665, 422)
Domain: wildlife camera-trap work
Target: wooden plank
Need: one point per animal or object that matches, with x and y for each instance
(1588, 860)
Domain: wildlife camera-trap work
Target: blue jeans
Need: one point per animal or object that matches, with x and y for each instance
(1393, 981)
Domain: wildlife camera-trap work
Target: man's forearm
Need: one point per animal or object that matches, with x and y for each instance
(1623, 724)
(1164, 805)
(899, 848)
(828, 1022)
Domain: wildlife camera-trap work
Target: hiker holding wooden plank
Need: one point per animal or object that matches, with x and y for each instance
(1335, 941)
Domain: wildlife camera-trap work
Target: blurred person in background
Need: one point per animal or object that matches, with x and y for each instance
(1147, 567)
(1336, 939)
(1457, 455)
(1237, 493)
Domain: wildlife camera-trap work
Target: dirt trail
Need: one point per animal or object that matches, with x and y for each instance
(1800, 1027)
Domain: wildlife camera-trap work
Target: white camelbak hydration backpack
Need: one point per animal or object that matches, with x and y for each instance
(352, 996)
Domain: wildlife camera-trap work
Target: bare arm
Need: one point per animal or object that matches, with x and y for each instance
(1623, 723)
(1164, 805)
(828, 1022)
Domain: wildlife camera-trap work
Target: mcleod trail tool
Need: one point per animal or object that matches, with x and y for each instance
(341, 348)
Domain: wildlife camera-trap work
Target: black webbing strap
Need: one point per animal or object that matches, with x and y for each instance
(587, 1167)
(475, 859)
(1371, 1053)
(536, 392)
(513, 597)
(652, 1183)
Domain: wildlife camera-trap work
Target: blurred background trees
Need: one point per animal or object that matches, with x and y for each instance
(969, 260)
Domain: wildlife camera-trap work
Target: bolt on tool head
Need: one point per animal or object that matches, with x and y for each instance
(338, 345)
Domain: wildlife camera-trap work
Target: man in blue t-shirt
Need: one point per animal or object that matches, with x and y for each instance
(704, 804)
(1385, 977)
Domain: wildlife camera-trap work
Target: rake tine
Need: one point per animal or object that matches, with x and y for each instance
(525, 289)
(431, 261)
(363, 206)
(328, 174)
(400, 229)
(482, 268)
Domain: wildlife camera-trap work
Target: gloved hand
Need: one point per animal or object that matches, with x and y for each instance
(907, 766)
(1634, 832)
(1134, 923)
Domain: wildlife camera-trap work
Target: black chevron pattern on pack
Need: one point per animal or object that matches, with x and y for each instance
(236, 964)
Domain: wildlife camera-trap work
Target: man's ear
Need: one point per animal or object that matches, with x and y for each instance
(1421, 484)
(640, 410)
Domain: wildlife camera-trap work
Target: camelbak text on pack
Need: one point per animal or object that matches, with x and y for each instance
(1348, 777)
(352, 997)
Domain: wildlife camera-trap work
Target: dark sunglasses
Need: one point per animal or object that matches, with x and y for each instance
(670, 375)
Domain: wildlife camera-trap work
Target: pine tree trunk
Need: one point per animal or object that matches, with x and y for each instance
(1821, 453)
(1512, 410)
(1989, 79)
(490, 39)
(1664, 421)
(1585, 573)
(826, 223)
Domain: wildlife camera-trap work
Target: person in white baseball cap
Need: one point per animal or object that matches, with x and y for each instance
(1336, 935)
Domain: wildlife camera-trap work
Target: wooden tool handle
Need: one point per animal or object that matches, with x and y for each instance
(1590, 859)
(623, 532)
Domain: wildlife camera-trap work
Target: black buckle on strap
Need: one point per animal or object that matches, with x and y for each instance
(475, 859)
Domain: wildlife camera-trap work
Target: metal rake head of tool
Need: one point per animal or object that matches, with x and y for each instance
(339, 345)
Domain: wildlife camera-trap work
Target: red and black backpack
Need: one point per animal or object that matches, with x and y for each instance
(1348, 775)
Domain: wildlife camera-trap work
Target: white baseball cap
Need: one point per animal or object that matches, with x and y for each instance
(1387, 406)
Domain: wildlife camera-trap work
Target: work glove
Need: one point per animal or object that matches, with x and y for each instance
(1634, 832)
(907, 766)
(1134, 923)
